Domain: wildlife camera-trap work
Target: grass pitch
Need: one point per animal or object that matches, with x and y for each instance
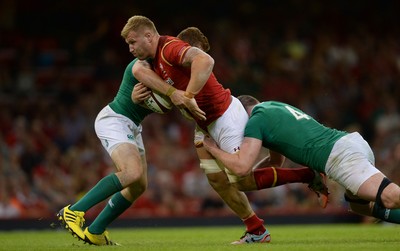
(286, 237)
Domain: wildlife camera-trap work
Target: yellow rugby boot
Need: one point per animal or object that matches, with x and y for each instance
(73, 221)
(98, 239)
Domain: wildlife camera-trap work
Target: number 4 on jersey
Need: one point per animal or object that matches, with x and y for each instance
(297, 114)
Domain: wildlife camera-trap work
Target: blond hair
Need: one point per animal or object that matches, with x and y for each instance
(138, 23)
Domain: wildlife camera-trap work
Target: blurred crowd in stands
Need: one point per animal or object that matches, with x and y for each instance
(60, 63)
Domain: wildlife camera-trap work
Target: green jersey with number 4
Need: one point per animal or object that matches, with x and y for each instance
(289, 131)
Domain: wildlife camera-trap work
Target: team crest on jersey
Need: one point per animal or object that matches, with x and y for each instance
(165, 76)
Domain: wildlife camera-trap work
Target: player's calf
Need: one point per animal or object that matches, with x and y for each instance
(380, 211)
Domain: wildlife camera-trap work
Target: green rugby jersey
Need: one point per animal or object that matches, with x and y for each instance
(289, 131)
(123, 104)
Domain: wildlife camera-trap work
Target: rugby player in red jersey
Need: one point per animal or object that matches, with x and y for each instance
(184, 73)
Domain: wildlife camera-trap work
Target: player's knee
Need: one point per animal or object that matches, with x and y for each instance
(140, 186)
(218, 181)
(209, 166)
(133, 175)
(135, 190)
(213, 172)
(245, 184)
(388, 194)
(240, 186)
(391, 196)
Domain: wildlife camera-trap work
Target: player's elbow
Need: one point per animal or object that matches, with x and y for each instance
(137, 72)
(242, 171)
(210, 61)
(242, 174)
(206, 61)
(139, 69)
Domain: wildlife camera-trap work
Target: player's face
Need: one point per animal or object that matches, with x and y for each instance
(139, 45)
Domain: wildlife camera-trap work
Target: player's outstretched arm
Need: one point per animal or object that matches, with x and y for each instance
(240, 163)
(274, 159)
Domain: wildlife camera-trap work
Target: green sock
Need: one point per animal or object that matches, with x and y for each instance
(114, 208)
(106, 187)
(385, 214)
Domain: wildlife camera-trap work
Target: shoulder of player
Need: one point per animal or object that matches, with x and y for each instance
(172, 49)
(169, 41)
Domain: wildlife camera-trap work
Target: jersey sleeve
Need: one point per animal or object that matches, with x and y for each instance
(174, 51)
(254, 126)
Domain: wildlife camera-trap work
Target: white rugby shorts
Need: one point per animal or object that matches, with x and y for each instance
(114, 129)
(351, 162)
(227, 131)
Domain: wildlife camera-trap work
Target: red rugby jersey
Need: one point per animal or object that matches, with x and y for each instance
(213, 99)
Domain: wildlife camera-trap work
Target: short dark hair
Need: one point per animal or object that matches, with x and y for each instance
(248, 100)
(194, 37)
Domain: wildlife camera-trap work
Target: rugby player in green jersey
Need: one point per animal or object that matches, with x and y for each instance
(345, 157)
(118, 126)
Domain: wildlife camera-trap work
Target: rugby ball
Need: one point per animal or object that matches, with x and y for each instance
(158, 103)
(186, 114)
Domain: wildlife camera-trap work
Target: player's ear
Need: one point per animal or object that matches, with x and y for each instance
(148, 36)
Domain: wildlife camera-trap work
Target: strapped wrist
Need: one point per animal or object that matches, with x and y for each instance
(170, 91)
(189, 94)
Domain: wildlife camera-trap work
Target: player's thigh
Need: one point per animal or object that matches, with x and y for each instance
(208, 163)
(351, 165)
(216, 172)
(369, 189)
(128, 160)
(228, 130)
(122, 139)
(202, 153)
(390, 196)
